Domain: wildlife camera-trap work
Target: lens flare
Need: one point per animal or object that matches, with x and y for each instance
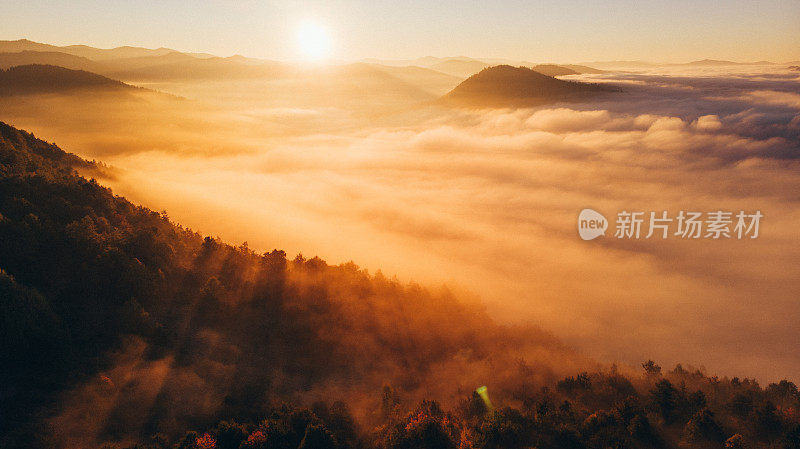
(484, 394)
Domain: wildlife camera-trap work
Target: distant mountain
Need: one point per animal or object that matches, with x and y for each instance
(457, 66)
(241, 59)
(130, 63)
(26, 45)
(200, 55)
(553, 70)
(463, 67)
(360, 80)
(104, 67)
(180, 66)
(460, 68)
(36, 79)
(100, 54)
(85, 51)
(505, 86)
(582, 68)
(60, 59)
(426, 61)
(630, 64)
(135, 64)
(428, 79)
(151, 66)
(711, 62)
(635, 64)
(717, 62)
(111, 65)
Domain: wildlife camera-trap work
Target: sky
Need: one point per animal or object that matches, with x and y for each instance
(538, 31)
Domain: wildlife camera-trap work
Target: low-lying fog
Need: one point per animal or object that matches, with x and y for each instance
(352, 166)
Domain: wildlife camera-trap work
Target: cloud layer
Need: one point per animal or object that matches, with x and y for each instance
(487, 200)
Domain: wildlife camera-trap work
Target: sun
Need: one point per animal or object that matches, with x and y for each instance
(313, 41)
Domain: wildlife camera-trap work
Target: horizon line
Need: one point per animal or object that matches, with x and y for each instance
(377, 59)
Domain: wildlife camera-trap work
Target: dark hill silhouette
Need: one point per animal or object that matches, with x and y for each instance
(37, 79)
(507, 86)
(57, 58)
(25, 143)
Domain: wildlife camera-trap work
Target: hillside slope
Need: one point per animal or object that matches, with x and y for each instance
(506, 86)
(100, 296)
(121, 329)
(37, 78)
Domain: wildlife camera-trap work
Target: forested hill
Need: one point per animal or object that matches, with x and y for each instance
(119, 328)
(507, 86)
(89, 279)
(42, 78)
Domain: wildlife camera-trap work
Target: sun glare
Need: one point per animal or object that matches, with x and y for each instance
(313, 41)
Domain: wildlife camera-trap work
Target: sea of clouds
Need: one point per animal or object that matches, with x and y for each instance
(487, 201)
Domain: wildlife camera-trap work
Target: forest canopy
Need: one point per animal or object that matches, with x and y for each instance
(122, 329)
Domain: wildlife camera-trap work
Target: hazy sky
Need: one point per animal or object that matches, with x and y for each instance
(543, 30)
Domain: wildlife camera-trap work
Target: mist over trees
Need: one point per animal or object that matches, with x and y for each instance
(122, 329)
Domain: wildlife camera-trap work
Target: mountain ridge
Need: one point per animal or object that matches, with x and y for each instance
(45, 78)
